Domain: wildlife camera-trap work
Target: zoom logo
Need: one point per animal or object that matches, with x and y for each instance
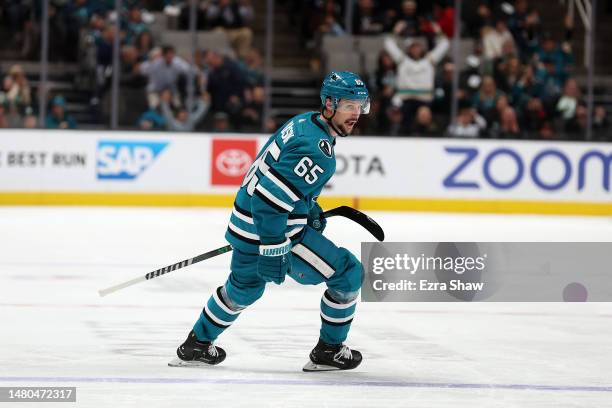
(125, 160)
(534, 169)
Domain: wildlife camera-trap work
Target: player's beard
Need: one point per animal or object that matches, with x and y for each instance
(345, 127)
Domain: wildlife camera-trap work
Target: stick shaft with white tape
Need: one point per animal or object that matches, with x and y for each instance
(166, 269)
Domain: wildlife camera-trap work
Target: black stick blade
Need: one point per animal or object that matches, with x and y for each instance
(360, 218)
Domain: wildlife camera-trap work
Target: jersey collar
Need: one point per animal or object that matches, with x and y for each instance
(324, 126)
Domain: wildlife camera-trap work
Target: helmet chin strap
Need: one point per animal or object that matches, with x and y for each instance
(331, 124)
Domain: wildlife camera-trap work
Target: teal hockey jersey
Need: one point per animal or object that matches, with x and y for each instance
(278, 191)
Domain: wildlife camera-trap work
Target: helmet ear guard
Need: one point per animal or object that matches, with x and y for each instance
(329, 119)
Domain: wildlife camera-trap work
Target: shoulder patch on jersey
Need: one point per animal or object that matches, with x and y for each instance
(326, 147)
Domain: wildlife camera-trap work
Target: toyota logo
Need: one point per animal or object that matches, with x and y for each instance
(233, 162)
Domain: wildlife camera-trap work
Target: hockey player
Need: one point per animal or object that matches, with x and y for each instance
(276, 230)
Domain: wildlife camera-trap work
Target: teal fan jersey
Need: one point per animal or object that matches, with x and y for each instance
(278, 190)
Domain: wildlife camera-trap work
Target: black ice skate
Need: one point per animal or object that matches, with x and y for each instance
(329, 357)
(193, 353)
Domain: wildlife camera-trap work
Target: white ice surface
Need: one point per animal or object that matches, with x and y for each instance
(55, 330)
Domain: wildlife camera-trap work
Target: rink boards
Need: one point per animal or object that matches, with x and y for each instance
(373, 173)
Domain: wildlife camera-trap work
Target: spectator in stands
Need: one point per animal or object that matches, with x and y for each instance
(182, 10)
(576, 127)
(4, 123)
(58, 118)
(507, 73)
(547, 131)
(226, 84)
(496, 116)
(16, 13)
(30, 121)
(385, 80)
(395, 118)
(476, 15)
(104, 58)
(415, 73)
(325, 23)
(558, 55)
(7, 83)
(13, 116)
(135, 52)
(444, 15)
(407, 23)
(444, 89)
(233, 17)
(183, 120)
(252, 113)
(524, 24)
(18, 93)
(568, 103)
(271, 125)
(601, 124)
(365, 19)
(312, 14)
(144, 44)
(509, 126)
(253, 67)
(163, 71)
(535, 117)
(485, 100)
(495, 38)
(135, 25)
(331, 27)
(468, 124)
(424, 124)
(547, 83)
(79, 12)
(527, 87)
(221, 122)
(151, 120)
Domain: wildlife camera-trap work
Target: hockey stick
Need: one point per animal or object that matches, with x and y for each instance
(360, 218)
(344, 211)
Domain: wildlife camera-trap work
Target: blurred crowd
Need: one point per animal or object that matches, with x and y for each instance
(517, 81)
(227, 85)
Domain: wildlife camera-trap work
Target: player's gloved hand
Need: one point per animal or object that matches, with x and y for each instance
(315, 218)
(274, 262)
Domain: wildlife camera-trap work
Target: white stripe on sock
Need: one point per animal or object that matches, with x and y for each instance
(338, 305)
(220, 303)
(337, 319)
(215, 318)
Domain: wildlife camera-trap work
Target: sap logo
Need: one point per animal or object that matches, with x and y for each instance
(125, 160)
(532, 169)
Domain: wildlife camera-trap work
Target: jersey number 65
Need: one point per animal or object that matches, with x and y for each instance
(305, 168)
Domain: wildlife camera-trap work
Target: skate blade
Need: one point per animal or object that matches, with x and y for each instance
(177, 362)
(311, 367)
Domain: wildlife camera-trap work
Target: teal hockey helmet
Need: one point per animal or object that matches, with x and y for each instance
(345, 85)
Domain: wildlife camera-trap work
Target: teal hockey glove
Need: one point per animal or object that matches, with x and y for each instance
(274, 262)
(315, 220)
